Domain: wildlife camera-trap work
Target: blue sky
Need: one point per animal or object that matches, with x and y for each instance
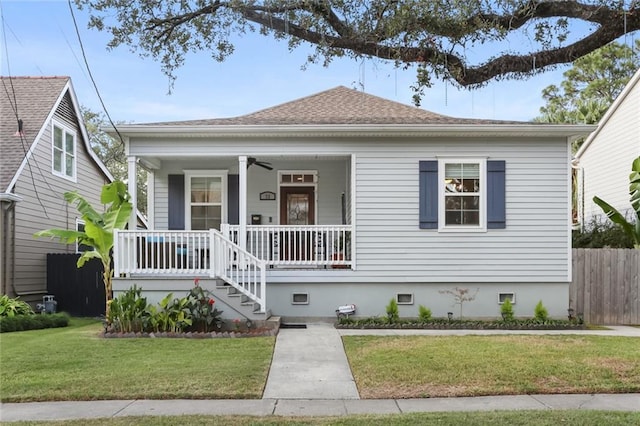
(41, 41)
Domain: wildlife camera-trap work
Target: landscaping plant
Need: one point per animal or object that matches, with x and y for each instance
(424, 313)
(460, 296)
(392, 312)
(630, 228)
(540, 313)
(506, 310)
(129, 312)
(98, 228)
(11, 307)
(205, 317)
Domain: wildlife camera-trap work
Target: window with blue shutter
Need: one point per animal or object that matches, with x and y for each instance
(462, 194)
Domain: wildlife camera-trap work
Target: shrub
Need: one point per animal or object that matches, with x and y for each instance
(424, 313)
(392, 312)
(601, 234)
(506, 310)
(33, 322)
(204, 315)
(10, 307)
(129, 312)
(540, 313)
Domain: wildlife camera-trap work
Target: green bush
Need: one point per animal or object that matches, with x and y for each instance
(204, 315)
(129, 312)
(540, 313)
(506, 310)
(601, 234)
(33, 322)
(392, 311)
(424, 313)
(10, 307)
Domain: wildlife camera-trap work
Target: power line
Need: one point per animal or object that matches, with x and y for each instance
(86, 63)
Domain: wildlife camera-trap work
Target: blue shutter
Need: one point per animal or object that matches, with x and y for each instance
(496, 206)
(176, 201)
(233, 196)
(428, 194)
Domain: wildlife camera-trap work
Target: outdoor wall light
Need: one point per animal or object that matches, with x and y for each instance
(450, 315)
(570, 313)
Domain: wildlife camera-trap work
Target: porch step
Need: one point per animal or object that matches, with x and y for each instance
(238, 302)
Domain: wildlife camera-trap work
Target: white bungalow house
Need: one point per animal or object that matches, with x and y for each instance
(346, 198)
(604, 159)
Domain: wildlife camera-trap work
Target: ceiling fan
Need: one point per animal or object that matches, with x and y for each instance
(264, 164)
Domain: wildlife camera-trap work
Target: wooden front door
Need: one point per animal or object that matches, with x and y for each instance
(297, 207)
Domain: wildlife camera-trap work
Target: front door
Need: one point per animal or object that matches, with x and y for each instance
(297, 207)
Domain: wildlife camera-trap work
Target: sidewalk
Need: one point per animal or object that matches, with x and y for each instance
(42, 411)
(310, 376)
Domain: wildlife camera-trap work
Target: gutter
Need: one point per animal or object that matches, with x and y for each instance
(8, 201)
(563, 130)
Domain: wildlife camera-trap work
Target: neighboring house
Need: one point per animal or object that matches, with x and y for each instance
(346, 198)
(604, 159)
(44, 152)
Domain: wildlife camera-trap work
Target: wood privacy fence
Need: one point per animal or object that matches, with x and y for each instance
(606, 285)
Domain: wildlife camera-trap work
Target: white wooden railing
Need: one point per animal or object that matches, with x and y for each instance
(297, 245)
(184, 253)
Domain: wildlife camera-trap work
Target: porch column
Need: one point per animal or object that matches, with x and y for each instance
(242, 201)
(132, 187)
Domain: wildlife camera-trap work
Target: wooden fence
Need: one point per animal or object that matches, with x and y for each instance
(606, 285)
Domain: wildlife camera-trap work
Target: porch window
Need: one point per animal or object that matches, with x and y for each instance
(64, 151)
(206, 199)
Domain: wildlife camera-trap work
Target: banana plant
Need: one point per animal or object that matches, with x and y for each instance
(98, 229)
(630, 228)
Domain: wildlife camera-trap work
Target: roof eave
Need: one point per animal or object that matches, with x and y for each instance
(558, 130)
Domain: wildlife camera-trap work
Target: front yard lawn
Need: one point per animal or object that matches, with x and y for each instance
(443, 366)
(74, 363)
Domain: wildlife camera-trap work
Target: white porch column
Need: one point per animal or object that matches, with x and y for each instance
(132, 186)
(242, 202)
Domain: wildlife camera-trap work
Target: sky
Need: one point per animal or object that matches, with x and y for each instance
(39, 39)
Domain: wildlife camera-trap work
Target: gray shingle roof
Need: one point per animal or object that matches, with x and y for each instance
(30, 99)
(339, 105)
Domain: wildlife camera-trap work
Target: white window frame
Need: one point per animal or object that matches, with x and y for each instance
(482, 193)
(188, 174)
(78, 223)
(65, 130)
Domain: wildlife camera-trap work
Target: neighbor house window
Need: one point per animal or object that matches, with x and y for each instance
(64, 151)
(81, 248)
(206, 199)
(462, 193)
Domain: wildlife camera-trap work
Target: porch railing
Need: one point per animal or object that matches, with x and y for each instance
(183, 253)
(297, 245)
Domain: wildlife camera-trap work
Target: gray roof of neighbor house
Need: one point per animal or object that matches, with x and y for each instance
(30, 99)
(336, 106)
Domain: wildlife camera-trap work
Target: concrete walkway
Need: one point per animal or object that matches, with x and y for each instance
(310, 364)
(310, 376)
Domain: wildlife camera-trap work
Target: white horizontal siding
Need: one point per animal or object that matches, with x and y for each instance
(390, 246)
(606, 163)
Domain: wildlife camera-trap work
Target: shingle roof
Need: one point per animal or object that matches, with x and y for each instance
(339, 105)
(30, 99)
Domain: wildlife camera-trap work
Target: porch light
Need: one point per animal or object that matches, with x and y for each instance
(450, 315)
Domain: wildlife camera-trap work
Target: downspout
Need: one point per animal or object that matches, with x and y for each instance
(7, 204)
(575, 165)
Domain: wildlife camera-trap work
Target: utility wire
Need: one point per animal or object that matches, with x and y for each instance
(13, 101)
(95, 86)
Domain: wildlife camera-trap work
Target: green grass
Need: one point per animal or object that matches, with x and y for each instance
(75, 363)
(495, 418)
(423, 366)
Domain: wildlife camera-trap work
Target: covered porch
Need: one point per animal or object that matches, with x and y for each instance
(287, 211)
